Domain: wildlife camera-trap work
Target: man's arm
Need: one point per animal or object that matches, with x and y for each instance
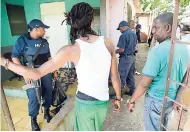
(50, 66)
(114, 69)
(16, 61)
(151, 70)
(141, 88)
(181, 89)
(121, 44)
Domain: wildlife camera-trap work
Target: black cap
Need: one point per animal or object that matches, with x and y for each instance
(35, 23)
(121, 24)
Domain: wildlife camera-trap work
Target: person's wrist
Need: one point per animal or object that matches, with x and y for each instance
(5, 63)
(118, 98)
(130, 102)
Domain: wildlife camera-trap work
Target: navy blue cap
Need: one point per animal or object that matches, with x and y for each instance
(35, 23)
(121, 24)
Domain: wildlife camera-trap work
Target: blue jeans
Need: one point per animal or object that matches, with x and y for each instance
(152, 113)
(46, 92)
(126, 70)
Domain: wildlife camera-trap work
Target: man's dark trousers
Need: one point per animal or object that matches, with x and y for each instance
(126, 70)
(138, 36)
(46, 91)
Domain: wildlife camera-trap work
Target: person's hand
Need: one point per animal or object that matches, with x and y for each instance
(2, 61)
(176, 106)
(131, 106)
(117, 105)
(28, 80)
(55, 75)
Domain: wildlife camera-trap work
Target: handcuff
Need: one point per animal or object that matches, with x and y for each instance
(117, 99)
(129, 102)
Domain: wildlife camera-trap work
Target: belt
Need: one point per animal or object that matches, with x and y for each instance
(125, 55)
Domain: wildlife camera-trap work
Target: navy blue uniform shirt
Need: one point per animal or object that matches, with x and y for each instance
(25, 45)
(128, 42)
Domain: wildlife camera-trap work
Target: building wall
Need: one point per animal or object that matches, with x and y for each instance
(32, 10)
(117, 13)
(7, 40)
(6, 37)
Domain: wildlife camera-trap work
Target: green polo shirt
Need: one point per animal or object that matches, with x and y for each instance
(157, 67)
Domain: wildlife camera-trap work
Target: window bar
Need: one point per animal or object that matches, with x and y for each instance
(173, 38)
(182, 84)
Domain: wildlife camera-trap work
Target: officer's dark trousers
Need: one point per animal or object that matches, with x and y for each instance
(46, 92)
(138, 36)
(126, 70)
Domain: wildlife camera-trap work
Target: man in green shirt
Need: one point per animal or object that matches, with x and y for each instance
(155, 73)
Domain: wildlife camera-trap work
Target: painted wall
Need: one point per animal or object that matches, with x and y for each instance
(117, 13)
(70, 3)
(7, 40)
(6, 37)
(131, 3)
(32, 10)
(116, 16)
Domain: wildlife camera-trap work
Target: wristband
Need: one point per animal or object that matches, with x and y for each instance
(6, 64)
(117, 99)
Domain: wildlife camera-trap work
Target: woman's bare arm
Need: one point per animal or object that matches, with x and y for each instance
(63, 55)
(114, 69)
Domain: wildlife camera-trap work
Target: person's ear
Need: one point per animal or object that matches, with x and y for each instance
(168, 28)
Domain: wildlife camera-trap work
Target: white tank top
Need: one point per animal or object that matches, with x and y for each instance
(93, 69)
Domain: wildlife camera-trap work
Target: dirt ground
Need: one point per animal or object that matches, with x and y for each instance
(126, 121)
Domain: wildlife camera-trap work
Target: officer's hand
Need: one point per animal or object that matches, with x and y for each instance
(27, 80)
(55, 75)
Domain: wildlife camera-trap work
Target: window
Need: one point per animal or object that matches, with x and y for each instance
(17, 19)
(96, 21)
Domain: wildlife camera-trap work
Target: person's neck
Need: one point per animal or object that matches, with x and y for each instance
(33, 36)
(90, 38)
(167, 38)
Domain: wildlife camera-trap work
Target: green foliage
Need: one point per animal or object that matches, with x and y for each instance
(159, 6)
(184, 2)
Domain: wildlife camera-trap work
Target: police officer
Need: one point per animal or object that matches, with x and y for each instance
(138, 32)
(26, 47)
(127, 43)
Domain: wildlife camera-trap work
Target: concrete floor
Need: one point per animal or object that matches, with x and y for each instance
(19, 112)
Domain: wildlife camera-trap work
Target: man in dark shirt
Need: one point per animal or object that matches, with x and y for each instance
(27, 46)
(138, 32)
(127, 43)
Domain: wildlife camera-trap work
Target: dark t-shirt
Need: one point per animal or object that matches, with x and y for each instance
(128, 42)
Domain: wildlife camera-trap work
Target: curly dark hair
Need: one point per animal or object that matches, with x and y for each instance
(79, 18)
